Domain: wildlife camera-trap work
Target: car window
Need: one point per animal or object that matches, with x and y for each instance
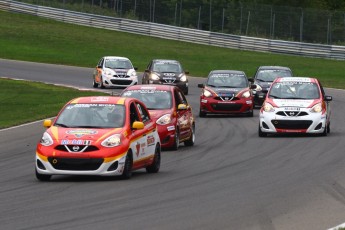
(165, 66)
(100, 63)
(179, 98)
(153, 98)
(133, 114)
(145, 117)
(270, 75)
(294, 90)
(229, 80)
(118, 64)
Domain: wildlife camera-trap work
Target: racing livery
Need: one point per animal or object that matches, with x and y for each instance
(226, 92)
(112, 71)
(105, 136)
(169, 108)
(166, 72)
(295, 105)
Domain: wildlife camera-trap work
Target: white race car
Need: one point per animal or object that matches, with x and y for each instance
(295, 105)
(112, 71)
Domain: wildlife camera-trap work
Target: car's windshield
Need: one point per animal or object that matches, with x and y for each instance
(153, 99)
(118, 64)
(227, 80)
(294, 90)
(92, 116)
(270, 75)
(174, 67)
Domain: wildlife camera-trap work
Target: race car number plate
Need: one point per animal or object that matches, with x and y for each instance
(291, 108)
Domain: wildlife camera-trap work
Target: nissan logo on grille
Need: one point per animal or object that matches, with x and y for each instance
(75, 148)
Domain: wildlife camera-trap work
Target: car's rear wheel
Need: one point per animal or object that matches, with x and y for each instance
(186, 92)
(262, 134)
(42, 177)
(202, 114)
(191, 140)
(250, 114)
(154, 167)
(176, 140)
(127, 170)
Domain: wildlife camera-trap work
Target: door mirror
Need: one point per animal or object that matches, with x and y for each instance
(182, 107)
(201, 85)
(328, 98)
(138, 125)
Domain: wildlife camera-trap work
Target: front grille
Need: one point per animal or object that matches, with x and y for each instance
(286, 124)
(226, 98)
(121, 76)
(76, 148)
(75, 164)
(226, 107)
(292, 113)
(121, 82)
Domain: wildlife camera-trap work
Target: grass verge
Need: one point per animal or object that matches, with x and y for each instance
(30, 38)
(24, 101)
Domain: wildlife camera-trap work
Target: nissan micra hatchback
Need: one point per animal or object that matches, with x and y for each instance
(104, 136)
(295, 105)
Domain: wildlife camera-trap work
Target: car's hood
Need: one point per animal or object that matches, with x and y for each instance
(293, 103)
(156, 114)
(263, 85)
(80, 136)
(121, 72)
(225, 91)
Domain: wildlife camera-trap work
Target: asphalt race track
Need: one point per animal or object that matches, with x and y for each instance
(230, 179)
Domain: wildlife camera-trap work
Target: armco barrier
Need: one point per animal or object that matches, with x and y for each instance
(178, 33)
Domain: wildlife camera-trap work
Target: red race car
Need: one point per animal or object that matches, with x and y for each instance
(105, 136)
(169, 108)
(226, 92)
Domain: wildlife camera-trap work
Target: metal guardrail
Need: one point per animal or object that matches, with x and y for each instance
(179, 33)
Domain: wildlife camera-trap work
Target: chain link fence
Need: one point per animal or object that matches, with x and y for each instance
(255, 20)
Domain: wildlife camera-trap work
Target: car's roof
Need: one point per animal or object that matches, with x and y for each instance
(273, 68)
(115, 57)
(165, 60)
(227, 71)
(151, 87)
(296, 79)
(99, 100)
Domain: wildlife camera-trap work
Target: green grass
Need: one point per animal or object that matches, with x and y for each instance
(30, 38)
(24, 101)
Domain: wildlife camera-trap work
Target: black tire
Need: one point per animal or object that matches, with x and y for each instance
(262, 134)
(156, 164)
(325, 131)
(176, 140)
(250, 114)
(127, 170)
(42, 177)
(202, 114)
(329, 127)
(185, 92)
(95, 85)
(102, 85)
(191, 140)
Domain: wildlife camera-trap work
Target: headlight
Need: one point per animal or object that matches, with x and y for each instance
(268, 107)
(183, 77)
(133, 74)
(108, 72)
(246, 94)
(258, 88)
(112, 141)
(207, 93)
(164, 120)
(316, 108)
(154, 77)
(46, 139)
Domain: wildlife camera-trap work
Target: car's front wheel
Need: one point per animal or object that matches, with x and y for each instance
(176, 140)
(154, 167)
(95, 85)
(127, 170)
(262, 134)
(102, 84)
(42, 177)
(201, 113)
(191, 140)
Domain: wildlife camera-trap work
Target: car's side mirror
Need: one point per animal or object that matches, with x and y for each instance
(99, 66)
(251, 80)
(253, 86)
(147, 71)
(135, 68)
(201, 85)
(182, 107)
(328, 98)
(47, 123)
(138, 125)
(186, 72)
(264, 91)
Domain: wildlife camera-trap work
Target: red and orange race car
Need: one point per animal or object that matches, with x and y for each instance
(226, 92)
(101, 135)
(169, 108)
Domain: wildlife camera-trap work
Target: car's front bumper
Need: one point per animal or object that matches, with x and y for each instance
(271, 122)
(111, 81)
(166, 135)
(241, 106)
(79, 166)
